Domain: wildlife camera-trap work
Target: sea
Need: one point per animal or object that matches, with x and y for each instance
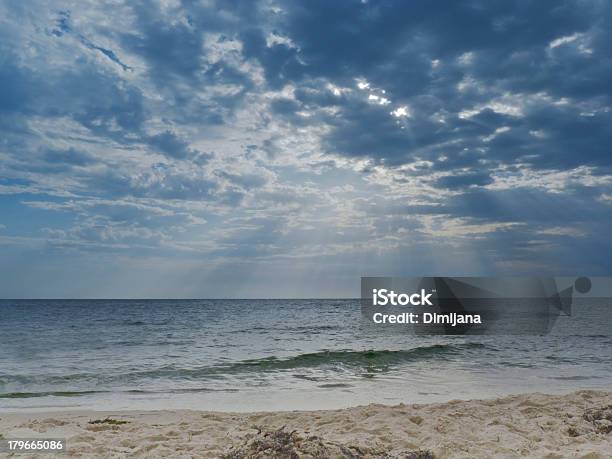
(259, 355)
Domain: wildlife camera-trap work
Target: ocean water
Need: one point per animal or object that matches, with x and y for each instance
(245, 355)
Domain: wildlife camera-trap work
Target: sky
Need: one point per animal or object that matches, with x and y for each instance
(285, 149)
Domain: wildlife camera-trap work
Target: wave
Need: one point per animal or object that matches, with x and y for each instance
(298, 328)
(574, 378)
(76, 393)
(334, 360)
(52, 393)
(350, 358)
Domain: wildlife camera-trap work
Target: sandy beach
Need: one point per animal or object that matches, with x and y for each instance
(578, 424)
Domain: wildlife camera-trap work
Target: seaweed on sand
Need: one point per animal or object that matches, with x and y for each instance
(284, 444)
(601, 418)
(112, 422)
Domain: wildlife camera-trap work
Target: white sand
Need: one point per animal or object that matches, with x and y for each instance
(531, 425)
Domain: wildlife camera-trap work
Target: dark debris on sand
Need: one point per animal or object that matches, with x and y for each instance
(601, 418)
(283, 444)
(109, 421)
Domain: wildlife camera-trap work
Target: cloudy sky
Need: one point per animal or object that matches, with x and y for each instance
(284, 149)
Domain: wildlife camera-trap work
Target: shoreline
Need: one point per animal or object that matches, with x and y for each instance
(577, 424)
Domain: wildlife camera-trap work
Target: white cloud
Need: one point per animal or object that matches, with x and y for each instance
(499, 130)
(564, 40)
(401, 112)
(379, 99)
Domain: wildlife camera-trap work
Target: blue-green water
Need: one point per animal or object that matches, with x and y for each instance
(242, 355)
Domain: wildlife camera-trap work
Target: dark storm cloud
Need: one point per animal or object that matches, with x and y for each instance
(171, 49)
(170, 144)
(171, 43)
(421, 52)
(95, 99)
(63, 27)
(393, 42)
(460, 181)
(70, 156)
(279, 61)
(530, 205)
(15, 86)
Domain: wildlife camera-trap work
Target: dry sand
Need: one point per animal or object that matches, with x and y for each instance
(532, 425)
